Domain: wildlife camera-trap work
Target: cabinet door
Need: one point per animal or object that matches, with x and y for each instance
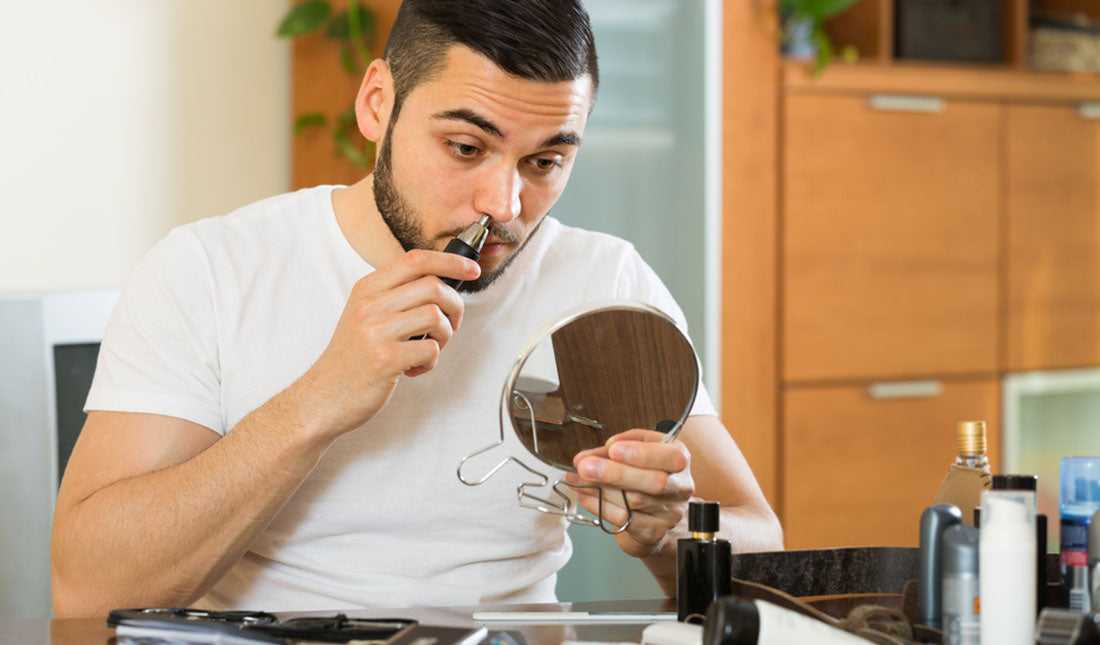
(890, 242)
(1053, 238)
(858, 470)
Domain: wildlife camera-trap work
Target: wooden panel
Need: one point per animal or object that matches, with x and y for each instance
(1015, 32)
(750, 70)
(868, 26)
(890, 240)
(320, 84)
(859, 471)
(1053, 238)
(951, 80)
(1088, 8)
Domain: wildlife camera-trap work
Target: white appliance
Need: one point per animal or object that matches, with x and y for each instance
(48, 347)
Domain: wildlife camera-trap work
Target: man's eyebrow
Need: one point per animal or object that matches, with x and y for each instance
(562, 139)
(472, 118)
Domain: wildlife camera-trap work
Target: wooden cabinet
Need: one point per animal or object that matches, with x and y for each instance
(889, 237)
(859, 470)
(1052, 182)
(956, 245)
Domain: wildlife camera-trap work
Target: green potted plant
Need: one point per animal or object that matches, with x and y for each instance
(353, 29)
(802, 29)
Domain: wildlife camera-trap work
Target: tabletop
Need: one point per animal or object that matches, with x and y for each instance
(94, 631)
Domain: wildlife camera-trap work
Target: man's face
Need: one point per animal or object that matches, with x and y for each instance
(475, 140)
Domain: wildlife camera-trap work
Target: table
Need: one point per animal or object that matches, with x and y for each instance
(94, 631)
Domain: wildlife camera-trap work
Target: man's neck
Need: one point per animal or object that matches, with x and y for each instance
(362, 224)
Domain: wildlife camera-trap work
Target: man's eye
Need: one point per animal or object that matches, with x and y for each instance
(546, 165)
(463, 149)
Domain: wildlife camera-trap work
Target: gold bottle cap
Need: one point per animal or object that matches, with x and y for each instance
(971, 438)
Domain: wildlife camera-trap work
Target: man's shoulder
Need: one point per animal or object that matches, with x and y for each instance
(266, 231)
(271, 214)
(580, 245)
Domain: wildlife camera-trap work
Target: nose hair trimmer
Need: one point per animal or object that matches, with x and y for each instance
(468, 244)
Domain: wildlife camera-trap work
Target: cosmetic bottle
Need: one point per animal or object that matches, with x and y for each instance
(960, 582)
(1006, 561)
(1094, 562)
(702, 562)
(1031, 483)
(1078, 500)
(735, 621)
(969, 475)
(972, 445)
(933, 521)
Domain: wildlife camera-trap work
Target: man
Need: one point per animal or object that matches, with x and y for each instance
(268, 428)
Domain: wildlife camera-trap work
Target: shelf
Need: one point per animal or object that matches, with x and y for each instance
(991, 82)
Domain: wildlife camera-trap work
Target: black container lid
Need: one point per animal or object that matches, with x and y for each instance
(1016, 482)
(703, 517)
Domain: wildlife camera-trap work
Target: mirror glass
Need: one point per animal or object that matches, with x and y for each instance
(597, 373)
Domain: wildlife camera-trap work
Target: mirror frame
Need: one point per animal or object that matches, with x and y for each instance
(565, 505)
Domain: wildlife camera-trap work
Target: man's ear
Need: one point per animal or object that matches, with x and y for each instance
(374, 103)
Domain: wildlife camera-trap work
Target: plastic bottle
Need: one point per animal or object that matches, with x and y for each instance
(1079, 499)
(961, 586)
(1006, 554)
(933, 522)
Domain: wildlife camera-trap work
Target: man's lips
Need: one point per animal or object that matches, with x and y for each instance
(493, 248)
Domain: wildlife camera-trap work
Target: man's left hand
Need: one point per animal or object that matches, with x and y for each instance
(656, 478)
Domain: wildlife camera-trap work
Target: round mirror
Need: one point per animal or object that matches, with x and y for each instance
(596, 373)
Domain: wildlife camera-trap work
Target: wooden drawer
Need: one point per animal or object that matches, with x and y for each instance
(890, 239)
(1053, 238)
(858, 470)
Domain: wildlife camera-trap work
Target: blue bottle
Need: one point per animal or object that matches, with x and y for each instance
(1079, 499)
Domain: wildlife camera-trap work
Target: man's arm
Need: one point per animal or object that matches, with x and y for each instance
(153, 510)
(660, 480)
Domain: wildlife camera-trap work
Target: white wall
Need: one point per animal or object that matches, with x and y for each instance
(124, 118)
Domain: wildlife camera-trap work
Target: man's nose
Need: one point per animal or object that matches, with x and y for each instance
(498, 194)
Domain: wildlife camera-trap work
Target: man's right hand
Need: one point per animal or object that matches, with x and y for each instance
(179, 505)
(396, 321)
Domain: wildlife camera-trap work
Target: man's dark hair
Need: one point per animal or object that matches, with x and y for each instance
(538, 40)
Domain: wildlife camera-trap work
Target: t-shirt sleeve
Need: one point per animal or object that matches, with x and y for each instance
(160, 353)
(640, 282)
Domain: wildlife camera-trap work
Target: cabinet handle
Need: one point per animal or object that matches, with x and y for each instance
(904, 103)
(1089, 110)
(905, 389)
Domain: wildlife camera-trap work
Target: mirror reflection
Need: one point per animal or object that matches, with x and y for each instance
(599, 373)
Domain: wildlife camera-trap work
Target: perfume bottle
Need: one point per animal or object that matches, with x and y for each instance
(702, 563)
(972, 446)
(969, 474)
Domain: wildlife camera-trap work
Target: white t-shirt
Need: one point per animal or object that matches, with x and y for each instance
(226, 312)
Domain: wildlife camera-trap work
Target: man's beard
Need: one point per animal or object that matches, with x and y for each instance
(405, 226)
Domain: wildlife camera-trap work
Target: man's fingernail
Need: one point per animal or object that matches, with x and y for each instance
(622, 452)
(591, 468)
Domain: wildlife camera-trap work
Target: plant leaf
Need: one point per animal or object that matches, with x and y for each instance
(824, 49)
(348, 150)
(357, 27)
(346, 118)
(822, 9)
(347, 61)
(310, 120)
(304, 18)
